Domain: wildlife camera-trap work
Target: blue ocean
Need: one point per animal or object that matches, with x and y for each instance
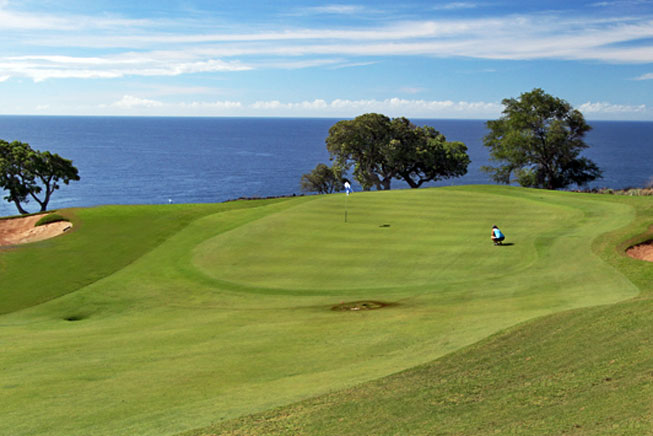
(142, 160)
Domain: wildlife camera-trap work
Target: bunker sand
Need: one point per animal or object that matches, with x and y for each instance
(642, 251)
(22, 231)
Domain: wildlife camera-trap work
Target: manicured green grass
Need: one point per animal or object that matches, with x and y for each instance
(581, 372)
(220, 311)
(103, 240)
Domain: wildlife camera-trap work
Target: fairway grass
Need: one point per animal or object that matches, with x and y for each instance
(213, 312)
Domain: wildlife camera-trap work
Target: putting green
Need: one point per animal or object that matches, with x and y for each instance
(392, 240)
(231, 313)
(388, 242)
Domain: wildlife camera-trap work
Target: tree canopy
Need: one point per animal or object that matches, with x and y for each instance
(27, 174)
(537, 143)
(378, 149)
(322, 179)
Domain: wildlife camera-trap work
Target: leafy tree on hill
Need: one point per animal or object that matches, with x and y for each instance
(379, 149)
(538, 141)
(25, 173)
(422, 154)
(322, 179)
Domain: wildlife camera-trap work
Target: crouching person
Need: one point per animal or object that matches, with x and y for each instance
(497, 236)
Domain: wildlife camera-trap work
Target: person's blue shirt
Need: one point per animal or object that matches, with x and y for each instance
(497, 233)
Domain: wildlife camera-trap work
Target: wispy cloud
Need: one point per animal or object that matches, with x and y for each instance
(620, 3)
(335, 9)
(14, 20)
(322, 107)
(609, 108)
(40, 68)
(455, 5)
(509, 37)
(647, 76)
(129, 102)
(127, 47)
(213, 105)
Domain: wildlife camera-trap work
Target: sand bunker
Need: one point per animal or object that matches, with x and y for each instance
(642, 251)
(21, 230)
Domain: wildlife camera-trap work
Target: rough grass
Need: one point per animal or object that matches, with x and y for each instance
(582, 372)
(222, 311)
(50, 218)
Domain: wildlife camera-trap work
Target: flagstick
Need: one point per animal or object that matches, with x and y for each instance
(347, 187)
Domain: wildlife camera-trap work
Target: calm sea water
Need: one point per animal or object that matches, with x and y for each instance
(133, 160)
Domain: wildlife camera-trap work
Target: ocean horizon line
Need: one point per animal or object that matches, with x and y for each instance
(277, 117)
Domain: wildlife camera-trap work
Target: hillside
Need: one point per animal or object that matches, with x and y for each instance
(161, 319)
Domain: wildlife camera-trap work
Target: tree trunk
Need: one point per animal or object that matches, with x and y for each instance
(20, 208)
(43, 204)
(409, 180)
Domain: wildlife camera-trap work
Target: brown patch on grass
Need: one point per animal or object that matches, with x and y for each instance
(356, 306)
(643, 251)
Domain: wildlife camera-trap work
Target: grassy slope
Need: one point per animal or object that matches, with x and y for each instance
(204, 327)
(579, 372)
(118, 235)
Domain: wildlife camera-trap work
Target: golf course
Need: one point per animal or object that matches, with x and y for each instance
(277, 316)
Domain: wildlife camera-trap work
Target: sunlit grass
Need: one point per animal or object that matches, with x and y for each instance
(212, 312)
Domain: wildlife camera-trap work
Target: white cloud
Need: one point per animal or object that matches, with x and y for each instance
(129, 102)
(296, 65)
(620, 3)
(17, 21)
(41, 67)
(352, 65)
(336, 9)
(609, 108)
(515, 37)
(455, 6)
(647, 76)
(220, 105)
(391, 106)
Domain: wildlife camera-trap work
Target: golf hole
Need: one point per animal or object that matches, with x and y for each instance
(357, 306)
(74, 318)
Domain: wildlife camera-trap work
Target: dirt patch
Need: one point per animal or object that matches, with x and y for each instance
(21, 230)
(643, 251)
(359, 306)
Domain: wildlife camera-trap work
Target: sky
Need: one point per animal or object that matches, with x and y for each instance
(420, 59)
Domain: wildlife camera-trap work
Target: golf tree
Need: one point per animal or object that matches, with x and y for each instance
(378, 149)
(25, 173)
(537, 143)
(322, 179)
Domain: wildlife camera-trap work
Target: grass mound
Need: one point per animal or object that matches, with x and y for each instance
(50, 218)
(195, 314)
